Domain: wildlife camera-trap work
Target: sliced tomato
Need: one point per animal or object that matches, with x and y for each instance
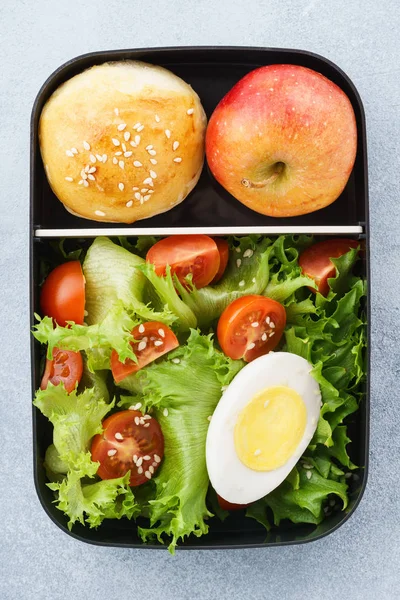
(66, 367)
(186, 254)
(63, 294)
(223, 249)
(250, 327)
(225, 505)
(316, 263)
(130, 442)
(152, 340)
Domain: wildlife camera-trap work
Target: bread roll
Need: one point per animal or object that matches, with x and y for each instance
(122, 141)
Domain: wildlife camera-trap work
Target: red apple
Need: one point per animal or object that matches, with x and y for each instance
(283, 141)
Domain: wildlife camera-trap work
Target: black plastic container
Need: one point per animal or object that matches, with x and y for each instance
(211, 71)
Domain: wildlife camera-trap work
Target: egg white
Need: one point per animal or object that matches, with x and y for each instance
(230, 478)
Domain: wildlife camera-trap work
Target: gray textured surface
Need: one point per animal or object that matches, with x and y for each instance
(361, 560)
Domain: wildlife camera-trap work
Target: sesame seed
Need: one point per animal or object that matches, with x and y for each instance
(123, 146)
(165, 412)
(121, 186)
(149, 147)
(264, 337)
(83, 174)
(140, 128)
(142, 345)
(253, 280)
(121, 164)
(119, 153)
(133, 144)
(158, 343)
(157, 458)
(348, 475)
(167, 133)
(151, 191)
(266, 403)
(134, 189)
(238, 250)
(271, 334)
(137, 196)
(80, 182)
(175, 146)
(115, 141)
(151, 469)
(136, 125)
(308, 474)
(68, 179)
(121, 126)
(92, 158)
(87, 168)
(157, 118)
(176, 361)
(146, 457)
(92, 170)
(104, 158)
(147, 474)
(190, 111)
(112, 452)
(267, 320)
(248, 253)
(152, 152)
(137, 163)
(255, 324)
(153, 174)
(127, 136)
(146, 417)
(144, 190)
(140, 470)
(307, 466)
(99, 157)
(119, 436)
(251, 346)
(238, 263)
(116, 111)
(137, 421)
(74, 150)
(161, 332)
(115, 160)
(86, 145)
(134, 458)
(241, 283)
(69, 153)
(85, 183)
(128, 154)
(138, 405)
(257, 452)
(153, 161)
(146, 425)
(272, 325)
(177, 160)
(91, 177)
(148, 181)
(139, 462)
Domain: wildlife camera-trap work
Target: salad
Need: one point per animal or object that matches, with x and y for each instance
(150, 343)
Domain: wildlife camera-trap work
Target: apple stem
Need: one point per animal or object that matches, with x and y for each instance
(279, 167)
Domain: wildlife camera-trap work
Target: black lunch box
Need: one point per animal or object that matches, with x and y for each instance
(211, 71)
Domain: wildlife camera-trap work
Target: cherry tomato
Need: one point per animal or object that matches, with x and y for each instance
(153, 339)
(225, 505)
(66, 367)
(130, 441)
(185, 254)
(223, 249)
(63, 294)
(316, 263)
(250, 327)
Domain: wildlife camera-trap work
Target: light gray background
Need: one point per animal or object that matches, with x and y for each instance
(360, 560)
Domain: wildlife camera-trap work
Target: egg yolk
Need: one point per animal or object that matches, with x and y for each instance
(269, 428)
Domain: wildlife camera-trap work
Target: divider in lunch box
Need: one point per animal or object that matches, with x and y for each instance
(211, 71)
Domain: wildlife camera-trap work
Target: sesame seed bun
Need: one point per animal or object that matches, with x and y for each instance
(122, 141)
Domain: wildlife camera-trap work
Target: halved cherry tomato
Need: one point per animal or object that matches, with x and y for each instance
(195, 254)
(250, 327)
(225, 505)
(223, 249)
(316, 263)
(66, 367)
(153, 339)
(63, 294)
(130, 441)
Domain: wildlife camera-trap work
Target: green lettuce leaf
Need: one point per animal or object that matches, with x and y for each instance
(113, 277)
(183, 392)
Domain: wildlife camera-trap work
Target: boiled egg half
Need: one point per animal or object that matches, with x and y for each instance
(263, 423)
